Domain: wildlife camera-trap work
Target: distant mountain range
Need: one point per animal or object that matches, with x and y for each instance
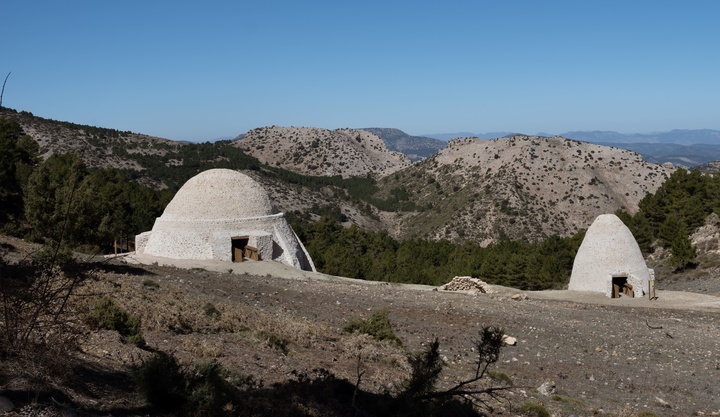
(677, 136)
(416, 148)
(684, 147)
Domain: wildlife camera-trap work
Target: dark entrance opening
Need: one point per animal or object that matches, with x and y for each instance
(238, 247)
(621, 287)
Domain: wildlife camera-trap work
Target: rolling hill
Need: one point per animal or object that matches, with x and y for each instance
(519, 187)
(682, 147)
(314, 151)
(473, 190)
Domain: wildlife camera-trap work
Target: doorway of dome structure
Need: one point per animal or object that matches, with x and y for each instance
(238, 245)
(621, 286)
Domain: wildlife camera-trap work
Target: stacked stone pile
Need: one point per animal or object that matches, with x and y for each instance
(467, 284)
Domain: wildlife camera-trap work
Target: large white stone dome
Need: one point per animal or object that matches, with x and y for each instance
(218, 194)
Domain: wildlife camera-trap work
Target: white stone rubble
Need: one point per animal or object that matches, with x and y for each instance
(467, 284)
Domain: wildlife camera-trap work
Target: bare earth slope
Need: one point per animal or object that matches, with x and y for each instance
(322, 152)
(521, 187)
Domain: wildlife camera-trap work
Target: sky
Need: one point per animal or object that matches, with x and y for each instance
(200, 71)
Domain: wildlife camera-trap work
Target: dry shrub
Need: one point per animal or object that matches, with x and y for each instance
(202, 347)
(360, 344)
(166, 308)
(378, 326)
(107, 315)
(39, 316)
(158, 309)
(300, 331)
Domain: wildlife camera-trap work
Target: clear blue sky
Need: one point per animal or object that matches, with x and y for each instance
(202, 70)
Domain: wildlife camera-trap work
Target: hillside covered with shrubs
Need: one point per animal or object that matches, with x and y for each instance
(60, 199)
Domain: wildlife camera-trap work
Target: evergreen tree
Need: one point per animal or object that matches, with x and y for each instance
(670, 229)
(18, 153)
(51, 204)
(683, 253)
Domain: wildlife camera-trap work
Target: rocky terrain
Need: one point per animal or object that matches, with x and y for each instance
(576, 354)
(710, 167)
(322, 152)
(520, 187)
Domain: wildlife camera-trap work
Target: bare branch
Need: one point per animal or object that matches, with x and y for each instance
(357, 382)
(652, 327)
(3, 88)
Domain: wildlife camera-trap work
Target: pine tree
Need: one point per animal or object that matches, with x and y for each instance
(683, 252)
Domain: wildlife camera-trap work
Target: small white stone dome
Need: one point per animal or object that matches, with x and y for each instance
(608, 249)
(218, 194)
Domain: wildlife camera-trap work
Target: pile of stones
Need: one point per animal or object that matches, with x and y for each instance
(473, 285)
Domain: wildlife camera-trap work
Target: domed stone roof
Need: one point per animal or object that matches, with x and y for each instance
(218, 194)
(608, 248)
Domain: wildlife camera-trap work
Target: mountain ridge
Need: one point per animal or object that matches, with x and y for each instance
(519, 187)
(675, 136)
(473, 190)
(682, 147)
(416, 148)
(323, 152)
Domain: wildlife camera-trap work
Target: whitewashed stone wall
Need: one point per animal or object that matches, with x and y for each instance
(609, 249)
(212, 208)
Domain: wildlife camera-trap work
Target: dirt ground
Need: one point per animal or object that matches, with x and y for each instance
(600, 356)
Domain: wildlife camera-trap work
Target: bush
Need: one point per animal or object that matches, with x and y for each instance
(501, 376)
(378, 326)
(212, 311)
(208, 390)
(426, 367)
(106, 315)
(36, 317)
(531, 409)
(160, 382)
(205, 389)
(419, 394)
(274, 340)
(151, 284)
(54, 254)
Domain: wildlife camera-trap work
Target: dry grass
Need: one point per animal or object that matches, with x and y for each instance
(170, 307)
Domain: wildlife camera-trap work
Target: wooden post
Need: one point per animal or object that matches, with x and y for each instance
(115, 245)
(651, 284)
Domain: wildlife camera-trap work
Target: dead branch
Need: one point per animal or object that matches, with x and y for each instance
(357, 382)
(652, 327)
(455, 391)
(2, 93)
